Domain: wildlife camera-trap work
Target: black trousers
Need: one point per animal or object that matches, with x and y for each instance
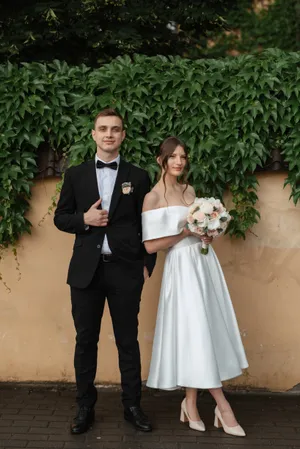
(121, 284)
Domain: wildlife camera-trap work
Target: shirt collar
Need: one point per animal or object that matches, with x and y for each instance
(117, 160)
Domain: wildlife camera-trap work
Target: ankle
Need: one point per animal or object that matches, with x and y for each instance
(223, 406)
(191, 401)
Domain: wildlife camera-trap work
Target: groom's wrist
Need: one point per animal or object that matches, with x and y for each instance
(86, 225)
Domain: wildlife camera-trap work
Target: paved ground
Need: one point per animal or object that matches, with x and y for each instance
(39, 418)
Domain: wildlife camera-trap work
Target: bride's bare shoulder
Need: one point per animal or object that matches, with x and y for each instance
(189, 193)
(190, 189)
(151, 200)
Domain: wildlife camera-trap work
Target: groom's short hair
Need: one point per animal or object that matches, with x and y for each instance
(109, 112)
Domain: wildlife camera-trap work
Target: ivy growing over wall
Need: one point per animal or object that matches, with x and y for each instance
(231, 113)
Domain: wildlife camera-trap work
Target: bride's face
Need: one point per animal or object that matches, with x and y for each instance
(176, 162)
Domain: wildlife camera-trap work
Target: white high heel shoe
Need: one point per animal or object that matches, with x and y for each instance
(184, 417)
(237, 431)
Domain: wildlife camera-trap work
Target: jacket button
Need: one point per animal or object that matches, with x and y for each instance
(98, 246)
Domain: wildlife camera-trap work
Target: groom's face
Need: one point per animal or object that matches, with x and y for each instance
(108, 134)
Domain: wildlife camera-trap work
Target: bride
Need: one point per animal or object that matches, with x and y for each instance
(197, 342)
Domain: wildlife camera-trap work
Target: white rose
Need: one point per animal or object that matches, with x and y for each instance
(205, 222)
(214, 224)
(206, 208)
(193, 209)
(192, 227)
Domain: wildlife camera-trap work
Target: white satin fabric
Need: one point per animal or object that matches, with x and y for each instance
(197, 341)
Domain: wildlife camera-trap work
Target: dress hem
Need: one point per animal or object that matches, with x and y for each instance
(200, 387)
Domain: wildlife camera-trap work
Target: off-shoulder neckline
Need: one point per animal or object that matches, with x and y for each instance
(165, 207)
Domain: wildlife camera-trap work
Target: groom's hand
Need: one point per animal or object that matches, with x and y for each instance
(96, 217)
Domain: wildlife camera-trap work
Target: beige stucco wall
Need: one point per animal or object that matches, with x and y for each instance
(36, 328)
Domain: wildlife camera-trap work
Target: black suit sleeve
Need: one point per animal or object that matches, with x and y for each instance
(65, 217)
(150, 259)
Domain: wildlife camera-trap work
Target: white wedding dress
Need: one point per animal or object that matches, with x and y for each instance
(197, 341)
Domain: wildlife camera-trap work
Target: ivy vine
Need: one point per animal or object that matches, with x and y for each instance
(231, 113)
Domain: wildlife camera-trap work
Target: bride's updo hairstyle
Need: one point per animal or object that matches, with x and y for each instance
(166, 149)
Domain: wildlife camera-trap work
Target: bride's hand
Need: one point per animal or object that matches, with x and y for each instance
(206, 239)
(187, 232)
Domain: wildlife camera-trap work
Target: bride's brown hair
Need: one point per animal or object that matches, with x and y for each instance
(166, 149)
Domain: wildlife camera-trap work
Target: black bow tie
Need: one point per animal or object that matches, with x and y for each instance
(112, 165)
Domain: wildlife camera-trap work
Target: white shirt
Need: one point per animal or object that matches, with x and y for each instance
(106, 178)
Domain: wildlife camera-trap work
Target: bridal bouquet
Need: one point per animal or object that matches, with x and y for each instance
(207, 216)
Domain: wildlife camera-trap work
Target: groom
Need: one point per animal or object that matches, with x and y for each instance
(101, 203)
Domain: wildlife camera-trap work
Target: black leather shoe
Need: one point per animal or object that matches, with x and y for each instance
(136, 416)
(83, 420)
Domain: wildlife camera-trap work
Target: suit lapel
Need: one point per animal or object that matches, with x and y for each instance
(92, 192)
(122, 176)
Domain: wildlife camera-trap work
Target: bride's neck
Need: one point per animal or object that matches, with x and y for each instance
(169, 181)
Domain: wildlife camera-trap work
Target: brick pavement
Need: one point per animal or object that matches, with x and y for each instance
(40, 417)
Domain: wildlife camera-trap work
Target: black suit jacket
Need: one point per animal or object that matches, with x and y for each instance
(79, 192)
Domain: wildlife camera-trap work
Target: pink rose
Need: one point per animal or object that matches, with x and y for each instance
(199, 231)
(199, 216)
(190, 219)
